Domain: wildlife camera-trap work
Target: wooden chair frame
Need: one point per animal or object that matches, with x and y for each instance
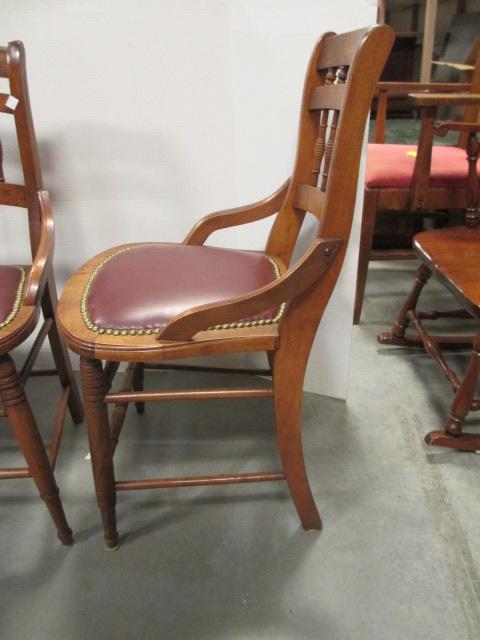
(452, 435)
(420, 197)
(39, 296)
(332, 121)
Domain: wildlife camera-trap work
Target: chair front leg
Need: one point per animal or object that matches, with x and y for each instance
(26, 432)
(96, 413)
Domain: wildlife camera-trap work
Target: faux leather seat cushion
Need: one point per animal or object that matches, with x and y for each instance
(144, 286)
(11, 284)
(392, 165)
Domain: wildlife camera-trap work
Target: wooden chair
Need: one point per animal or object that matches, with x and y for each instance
(25, 291)
(408, 178)
(453, 256)
(146, 303)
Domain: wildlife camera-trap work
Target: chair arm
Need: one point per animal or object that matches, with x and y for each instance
(458, 66)
(386, 90)
(442, 127)
(399, 89)
(290, 284)
(429, 103)
(40, 269)
(237, 216)
(444, 99)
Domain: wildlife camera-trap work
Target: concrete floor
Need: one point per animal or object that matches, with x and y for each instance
(398, 557)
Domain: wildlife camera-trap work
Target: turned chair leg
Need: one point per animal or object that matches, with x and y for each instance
(26, 432)
(369, 217)
(138, 376)
(60, 353)
(94, 390)
(288, 391)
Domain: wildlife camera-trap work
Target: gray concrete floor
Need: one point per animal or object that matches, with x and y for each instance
(398, 557)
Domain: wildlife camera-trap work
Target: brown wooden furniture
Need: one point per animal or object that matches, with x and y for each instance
(453, 256)
(147, 303)
(405, 178)
(25, 292)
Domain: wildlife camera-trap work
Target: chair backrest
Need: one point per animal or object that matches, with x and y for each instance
(17, 103)
(340, 81)
(464, 30)
(339, 86)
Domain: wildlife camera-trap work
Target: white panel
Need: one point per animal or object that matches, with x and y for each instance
(150, 115)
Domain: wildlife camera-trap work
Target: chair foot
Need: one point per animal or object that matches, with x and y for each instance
(462, 442)
(387, 337)
(66, 539)
(312, 522)
(112, 544)
(55, 508)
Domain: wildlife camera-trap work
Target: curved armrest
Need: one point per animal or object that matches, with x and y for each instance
(237, 216)
(442, 127)
(40, 268)
(399, 89)
(386, 90)
(295, 280)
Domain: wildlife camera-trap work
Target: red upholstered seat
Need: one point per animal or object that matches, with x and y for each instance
(137, 289)
(391, 165)
(12, 280)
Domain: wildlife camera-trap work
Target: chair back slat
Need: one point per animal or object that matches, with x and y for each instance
(13, 195)
(3, 62)
(309, 199)
(327, 97)
(339, 50)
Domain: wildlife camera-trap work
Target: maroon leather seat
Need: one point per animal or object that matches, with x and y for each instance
(137, 289)
(12, 280)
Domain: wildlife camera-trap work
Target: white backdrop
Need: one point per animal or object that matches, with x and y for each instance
(151, 114)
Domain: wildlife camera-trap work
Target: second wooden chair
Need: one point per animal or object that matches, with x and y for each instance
(25, 292)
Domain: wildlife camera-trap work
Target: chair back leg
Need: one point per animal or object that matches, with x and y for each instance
(60, 354)
(366, 238)
(138, 376)
(288, 373)
(26, 432)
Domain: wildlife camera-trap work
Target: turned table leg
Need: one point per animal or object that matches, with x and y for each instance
(452, 435)
(397, 334)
